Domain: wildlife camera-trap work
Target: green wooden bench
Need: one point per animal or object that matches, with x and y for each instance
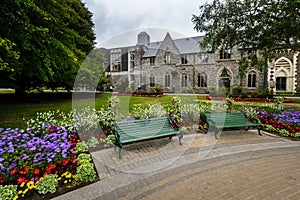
(138, 130)
(229, 120)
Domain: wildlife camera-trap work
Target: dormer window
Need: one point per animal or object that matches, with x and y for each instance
(184, 59)
(225, 52)
(168, 57)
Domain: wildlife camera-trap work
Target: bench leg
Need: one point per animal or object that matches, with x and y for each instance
(258, 128)
(216, 133)
(180, 136)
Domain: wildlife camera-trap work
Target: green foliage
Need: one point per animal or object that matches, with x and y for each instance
(8, 192)
(112, 139)
(270, 128)
(83, 157)
(140, 112)
(284, 132)
(261, 24)
(155, 90)
(253, 25)
(81, 147)
(49, 38)
(85, 172)
(176, 109)
(47, 184)
(92, 142)
(229, 104)
(92, 72)
(278, 107)
(8, 54)
(157, 111)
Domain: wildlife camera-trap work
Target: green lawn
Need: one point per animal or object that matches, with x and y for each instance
(12, 111)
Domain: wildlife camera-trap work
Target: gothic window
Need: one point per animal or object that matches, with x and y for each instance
(184, 80)
(202, 80)
(252, 79)
(152, 61)
(184, 59)
(152, 80)
(132, 57)
(281, 83)
(168, 57)
(167, 80)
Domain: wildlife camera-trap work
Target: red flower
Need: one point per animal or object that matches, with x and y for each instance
(26, 169)
(13, 172)
(65, 162)
(46, 172)
(51, 167)
(105, 132)
(1, 180)
(21, 180)
(36, 178)
(36, 171)
(58, 162)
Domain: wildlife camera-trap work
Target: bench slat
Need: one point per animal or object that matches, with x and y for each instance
(229, 120)
(137, 130)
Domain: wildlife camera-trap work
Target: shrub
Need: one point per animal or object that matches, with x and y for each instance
(85, 172)
(8, 192)
(47, 184)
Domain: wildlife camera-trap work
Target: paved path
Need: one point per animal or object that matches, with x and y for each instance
(239, 165)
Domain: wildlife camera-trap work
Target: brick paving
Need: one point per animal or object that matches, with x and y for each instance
(239, 165)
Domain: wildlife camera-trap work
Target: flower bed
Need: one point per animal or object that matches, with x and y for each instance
(34, 163)
(285, 124)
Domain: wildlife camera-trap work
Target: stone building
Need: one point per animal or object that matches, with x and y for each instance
(180, 65)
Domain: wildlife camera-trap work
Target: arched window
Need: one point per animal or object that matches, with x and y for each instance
(152, 81)
(184, 80)
(252, 79)
(167, 80)
(202, 80)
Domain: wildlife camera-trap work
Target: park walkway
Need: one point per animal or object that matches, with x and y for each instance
(239, 165)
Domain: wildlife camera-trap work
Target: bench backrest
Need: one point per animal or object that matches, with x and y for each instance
(135, 130)
(234, 118)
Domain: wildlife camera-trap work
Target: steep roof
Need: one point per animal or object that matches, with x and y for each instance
(184, 45)
(188, 45)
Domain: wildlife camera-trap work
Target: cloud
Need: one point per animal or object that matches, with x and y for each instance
(112, 17)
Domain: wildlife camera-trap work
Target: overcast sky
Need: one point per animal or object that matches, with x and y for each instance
(118, 21)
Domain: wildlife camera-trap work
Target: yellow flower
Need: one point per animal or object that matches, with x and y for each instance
(15, 198)
(25, 191)
(22, 184)
(65, 181)
(20, 192)
(69, 175)
(30, 185)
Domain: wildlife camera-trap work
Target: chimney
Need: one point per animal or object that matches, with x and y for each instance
(143, 39)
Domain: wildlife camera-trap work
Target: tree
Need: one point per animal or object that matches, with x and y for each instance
(255, 25)
(261, 24)
(91, 74)
(48, 41)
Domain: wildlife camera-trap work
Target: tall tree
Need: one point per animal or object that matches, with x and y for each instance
(263, 25)
(50, 40)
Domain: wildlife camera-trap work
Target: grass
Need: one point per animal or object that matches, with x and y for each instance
(13, 111)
